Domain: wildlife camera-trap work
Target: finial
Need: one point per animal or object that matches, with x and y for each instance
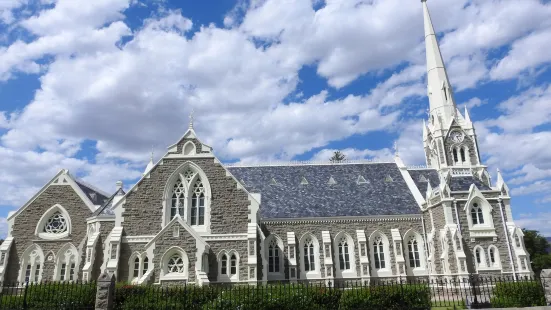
(151, 157)
(191, 119)
(395, 148)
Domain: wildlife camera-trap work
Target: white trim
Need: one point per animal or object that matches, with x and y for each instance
(168, 276)
(312, 274)
(279, 245)
(345, 219)
(4, 256)
(409, 182)
(352, 271)
(46, 216)
(482, 265)
(68, 254)
(188, 228)
(381, 272)
(228, 277)
(422, 269)
(497, 258)
(224, 237)
(189, 152)
(63, 174)
(26, 256)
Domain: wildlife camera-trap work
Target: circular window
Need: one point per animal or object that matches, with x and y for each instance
(56, 224)
(176, 264)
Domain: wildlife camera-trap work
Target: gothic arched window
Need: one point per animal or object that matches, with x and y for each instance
(178, 195)
(66, 263)
(379, 253)
(31, 265)
(413, 249)
(145, 265)
(477, 215)
(273, 256)
(455, 158)
(462, 153)
(228, 266)
(344, 254)
(198, 204)
(136, 267)
(309, 257)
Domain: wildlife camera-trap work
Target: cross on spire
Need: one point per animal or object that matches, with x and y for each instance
(191, 119)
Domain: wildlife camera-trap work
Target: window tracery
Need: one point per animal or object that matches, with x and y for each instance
(413, 249)
(378, 253)
(176, 264)
(56, 224)
(477, 215)
(344, 255)
(198, 204)
(309, 257)
(178, 197)
(273, 256)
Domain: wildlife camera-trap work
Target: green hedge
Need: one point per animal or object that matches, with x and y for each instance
(518, 294)
(52, 296)
(280, 297)
(394, 297)
(133, 297)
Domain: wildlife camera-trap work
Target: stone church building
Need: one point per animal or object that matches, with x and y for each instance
(194, 219)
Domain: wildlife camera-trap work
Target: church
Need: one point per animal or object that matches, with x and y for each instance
(193, 219)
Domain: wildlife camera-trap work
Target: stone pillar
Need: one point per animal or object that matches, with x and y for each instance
(545, 277)
(106, 292)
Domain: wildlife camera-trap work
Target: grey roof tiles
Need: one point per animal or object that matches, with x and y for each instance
(384, 191)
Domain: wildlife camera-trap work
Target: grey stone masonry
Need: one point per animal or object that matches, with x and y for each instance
(167, 240)
(144, 207)
(105, 293)
(25, 224)
(105, 229)
(240, 246)
(545, 277)
(334, 227)
(500, 243)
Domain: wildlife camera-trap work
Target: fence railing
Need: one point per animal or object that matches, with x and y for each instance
(53, 295)
(474, 292)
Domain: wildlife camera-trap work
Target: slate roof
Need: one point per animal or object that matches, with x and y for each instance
(105, 209)
(93, 194)
(421, 176)
(288, 198)
(463, 183)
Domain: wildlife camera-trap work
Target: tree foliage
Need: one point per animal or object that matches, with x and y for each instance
(338, 156)
(537, 247)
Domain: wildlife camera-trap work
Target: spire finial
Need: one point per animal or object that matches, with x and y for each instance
(396, 148)
(152, 153)
(191, 119)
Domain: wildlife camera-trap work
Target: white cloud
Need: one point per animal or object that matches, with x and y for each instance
(6, 7)
(526, 53)
(3, 227)
(540, 221)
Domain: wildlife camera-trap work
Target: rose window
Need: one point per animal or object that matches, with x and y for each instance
(176, 264)
(56, 224)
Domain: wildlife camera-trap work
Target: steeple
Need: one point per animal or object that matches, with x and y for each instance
(440, 94)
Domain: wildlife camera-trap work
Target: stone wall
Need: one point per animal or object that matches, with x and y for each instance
(25, 224)
(229, 205)
(501, 242)
(240, 246)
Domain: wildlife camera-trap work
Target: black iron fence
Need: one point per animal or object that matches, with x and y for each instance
(473, 292)
(54, 295)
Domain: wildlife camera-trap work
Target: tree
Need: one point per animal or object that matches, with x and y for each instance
(338, 156)
(537, 247)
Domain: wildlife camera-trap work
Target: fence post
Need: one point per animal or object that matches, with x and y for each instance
(474, 303)
(545, 278)
(105, 292)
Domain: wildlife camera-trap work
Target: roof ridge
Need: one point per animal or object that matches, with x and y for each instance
(308, 163)
(92, 187)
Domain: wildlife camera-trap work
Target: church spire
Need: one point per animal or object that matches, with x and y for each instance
(441, 100)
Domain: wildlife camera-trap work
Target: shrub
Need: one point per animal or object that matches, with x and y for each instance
(393, 297)
(518, 294)
(53, 296)
(136, 297)
(277, 297)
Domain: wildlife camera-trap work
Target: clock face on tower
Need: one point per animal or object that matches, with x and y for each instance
(456, 136)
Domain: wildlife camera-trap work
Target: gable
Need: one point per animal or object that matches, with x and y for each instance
(61, 179)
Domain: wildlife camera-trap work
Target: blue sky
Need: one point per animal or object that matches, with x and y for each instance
(94, 86)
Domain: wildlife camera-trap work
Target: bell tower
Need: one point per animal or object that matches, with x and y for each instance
(449, 138)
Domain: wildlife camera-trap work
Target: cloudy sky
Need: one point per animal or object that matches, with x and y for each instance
(94, 86)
